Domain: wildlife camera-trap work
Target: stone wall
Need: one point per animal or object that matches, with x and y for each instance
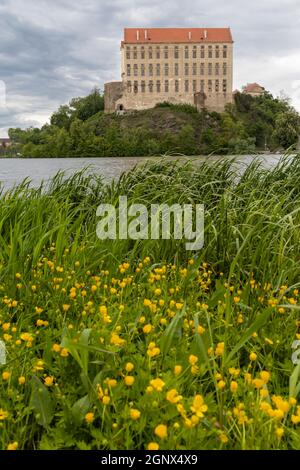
(113, 91)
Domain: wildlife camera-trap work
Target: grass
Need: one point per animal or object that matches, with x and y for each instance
(140, 344)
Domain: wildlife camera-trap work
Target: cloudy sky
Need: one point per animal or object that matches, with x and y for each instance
(53, 50)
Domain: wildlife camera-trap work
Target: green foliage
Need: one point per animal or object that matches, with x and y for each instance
(82, 129)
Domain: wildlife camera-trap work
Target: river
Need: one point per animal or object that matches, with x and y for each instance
(13, 171)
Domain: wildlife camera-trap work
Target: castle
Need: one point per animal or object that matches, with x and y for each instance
(178, 65)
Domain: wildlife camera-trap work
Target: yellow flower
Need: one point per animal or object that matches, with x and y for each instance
(161, 431)
(265, 376)
(199, 406)
(90, 417)
(258, 383)
(3, 415)
(49, 381)
(116, 340)
(147, 303)
(66, 307)
(56, 348)
(157, 292)
(279, 432)
(6, 375)
(221, 384)
(64, 352)
(220, 349)
(157, 384)
(253, 357)
(153, 446)
(233, 386)
(135, 414)
(234, 372)
(223, 438)
(13, 446)
(21, 380)
(129, 380)
(173, 397)
(147, 329)
(177, 370)
(200, 330)
(193, 360)
(106, 400)
(129, 367)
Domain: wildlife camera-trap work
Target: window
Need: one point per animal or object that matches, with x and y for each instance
(143, 53)
(151, 70)
(135, 53)
(143, 70)
(150, 53)
(186, 52)
(195, 52)
(186, 69)
(225, 68)
(210, 66)
(136, 70)
(224, 86)
(210, 52)
(151, 86)
(166, 70)
(166, 52)
(202, 85)
(176, 70)
(217, 52)
(217, 69)
(128, 70)
(143, 87)
(128, 55)
(136, 87)
(202, 53)
(194, 86)
(202, 68)
(176, 52)
(225, 52)
(209, 86)
(129, 88)
(194, 69)
(158, 53)
(157, 70)
(217, 86)
(176, 86)
(158, 86)
(167, 86)
(186, 86)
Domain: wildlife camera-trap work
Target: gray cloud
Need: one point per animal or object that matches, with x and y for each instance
(51, 51)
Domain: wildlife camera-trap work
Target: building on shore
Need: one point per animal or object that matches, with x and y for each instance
(5, 142)
(179, 65)
(254, 89)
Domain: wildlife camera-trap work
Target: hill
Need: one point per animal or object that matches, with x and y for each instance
(82, 129)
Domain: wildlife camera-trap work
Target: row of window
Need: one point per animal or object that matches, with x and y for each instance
(189, 86)
(189, 69)
(187, 52)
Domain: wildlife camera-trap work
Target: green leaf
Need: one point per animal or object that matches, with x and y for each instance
(171, 332)
(80, 409)
(294, 384)
(41, 402)
(256, 325)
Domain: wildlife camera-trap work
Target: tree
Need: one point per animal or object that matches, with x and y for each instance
(287, 128)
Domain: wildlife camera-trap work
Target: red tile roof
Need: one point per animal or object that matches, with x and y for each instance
(176, 35)
(252, 87)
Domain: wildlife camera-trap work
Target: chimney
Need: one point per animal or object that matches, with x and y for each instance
(205, 34)
(190, 35)
(146, 34)
(138, 35)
